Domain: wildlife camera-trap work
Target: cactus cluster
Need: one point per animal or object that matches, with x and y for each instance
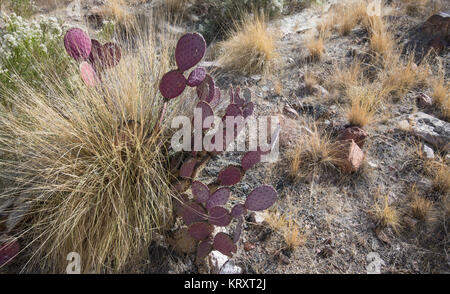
(94, 57)
(205, 208)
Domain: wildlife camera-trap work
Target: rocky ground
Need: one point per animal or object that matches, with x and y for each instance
(331, 208)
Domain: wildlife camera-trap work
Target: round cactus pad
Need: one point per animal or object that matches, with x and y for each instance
(111, 55)
(203, 249)
(218, 198)
(250, 159)
(261, 198)
(219, 216)
(187, 168)
(8, 251)
(230, 176)
(216, 100)
(193, 213)
(200, 191)
(88, 74)
(238, 210)
(206, 111)
(224, 244)
(200, 231)
(172, 84)
(77, 44)
(196, 77)
(95, 56)
(189, 51)
(206, 90)
(179, 204)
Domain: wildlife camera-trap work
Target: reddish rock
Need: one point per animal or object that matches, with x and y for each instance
(424, 101)
(354, 133)
(438, 25)
(248, 246)
(350, 156)
(438, 44)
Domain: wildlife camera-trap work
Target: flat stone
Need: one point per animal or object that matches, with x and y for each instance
(430, 129)
(428, 151)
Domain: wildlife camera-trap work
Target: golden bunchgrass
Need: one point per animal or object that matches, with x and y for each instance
(381, 40)
(364, 102)
(249, 47)
(385, 214)
(313, 153)
(316, 47)
(441, 96)
(91, 162)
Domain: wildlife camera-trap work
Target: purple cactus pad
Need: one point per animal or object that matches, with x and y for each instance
(193, 213)
(196, 77)
(232, 110)
(219, 216)
(216, 100)
(200, 191)
(238, 210)
(218, 198)
(111, 55)
(250, 159)
(189, 51)
(96, 54)
(179, 203)
(200, 231)
(206, 111)
(230, 176)
(224, 244)
(172, 84)
(77, 44)
(206, 90)
(188, 167)
(261, 198)
(248, 109)
(203, 249)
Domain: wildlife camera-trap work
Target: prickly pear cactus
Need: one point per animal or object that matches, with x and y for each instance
(206, 209)
(95, 57)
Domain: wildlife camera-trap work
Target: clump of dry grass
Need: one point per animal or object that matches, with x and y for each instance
(344, 77)
(176, 5)
(250, 47)
(316, 47)
(413, 7)
(441, 96)
(441, 178)
(364, 103)
(384, 214)
(310, 80)
(400, 77)
(91, 162)
(421, 208)
(313, 153)
(381, 41)
(118, 11)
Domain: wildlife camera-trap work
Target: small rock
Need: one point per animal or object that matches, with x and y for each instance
(230, 268)
(258, 217)
(404, 125)
(424, 101)
(354, 133)
(249, 246)
(372, 164)
(284, 259)
(438, 44)
(290, 112)
(350, 156)
(430, 129)
(381, 235)
(216, 261)
(392, 198)
(429, 153)
(438, 25)
(326, 252)
(256, 78)
(320, 91)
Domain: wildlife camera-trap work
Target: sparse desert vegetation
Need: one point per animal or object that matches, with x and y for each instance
(87, 158)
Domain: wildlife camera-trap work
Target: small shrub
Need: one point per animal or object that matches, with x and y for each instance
(29, 48)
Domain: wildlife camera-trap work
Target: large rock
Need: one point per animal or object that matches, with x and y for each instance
(354, 133)
(430, 129)
(438, 25)
(350, 156)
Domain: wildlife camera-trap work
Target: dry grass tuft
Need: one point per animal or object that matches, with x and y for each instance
(441, 96)
(422, 208)
(344, 77)
(250, 47)
(441, 177)
(117, 10)
(316, 47)
(385, 214)
(310, 80)
(364, 102)
(313, 153)
(177, 6)
(381, 41)
(91, 163)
